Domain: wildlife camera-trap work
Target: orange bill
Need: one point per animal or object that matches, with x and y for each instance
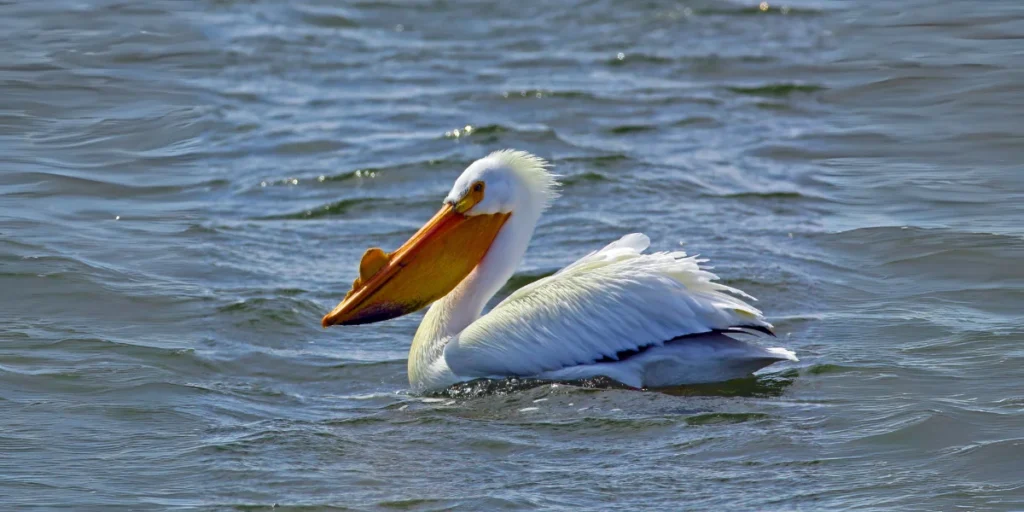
(432, 263)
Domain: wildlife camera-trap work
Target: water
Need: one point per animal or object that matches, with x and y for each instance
(186, 187)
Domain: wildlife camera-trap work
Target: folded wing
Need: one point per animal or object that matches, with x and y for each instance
(609, 303)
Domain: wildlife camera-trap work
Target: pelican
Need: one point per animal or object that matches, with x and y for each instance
(645, 320)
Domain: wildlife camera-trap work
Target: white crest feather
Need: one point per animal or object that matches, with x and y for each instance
(534, 170)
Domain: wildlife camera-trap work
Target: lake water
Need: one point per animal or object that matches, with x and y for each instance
(186, 188)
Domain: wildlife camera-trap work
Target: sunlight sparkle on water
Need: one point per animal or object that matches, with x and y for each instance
(456, 133)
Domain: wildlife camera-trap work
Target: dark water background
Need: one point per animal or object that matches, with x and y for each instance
(186, 187)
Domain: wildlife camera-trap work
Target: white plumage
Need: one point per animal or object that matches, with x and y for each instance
(613, 301)
(646, 320)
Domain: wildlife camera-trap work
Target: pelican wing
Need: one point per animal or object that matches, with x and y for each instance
(607, 304)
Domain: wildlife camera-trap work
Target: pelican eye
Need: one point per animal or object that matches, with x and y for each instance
(474, 195)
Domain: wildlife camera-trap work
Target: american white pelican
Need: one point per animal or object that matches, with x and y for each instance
(646, 320)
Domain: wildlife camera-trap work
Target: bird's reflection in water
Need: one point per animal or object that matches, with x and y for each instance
(757, 386)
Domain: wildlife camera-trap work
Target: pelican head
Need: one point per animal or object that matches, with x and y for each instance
(507, 181)
(506, 189)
